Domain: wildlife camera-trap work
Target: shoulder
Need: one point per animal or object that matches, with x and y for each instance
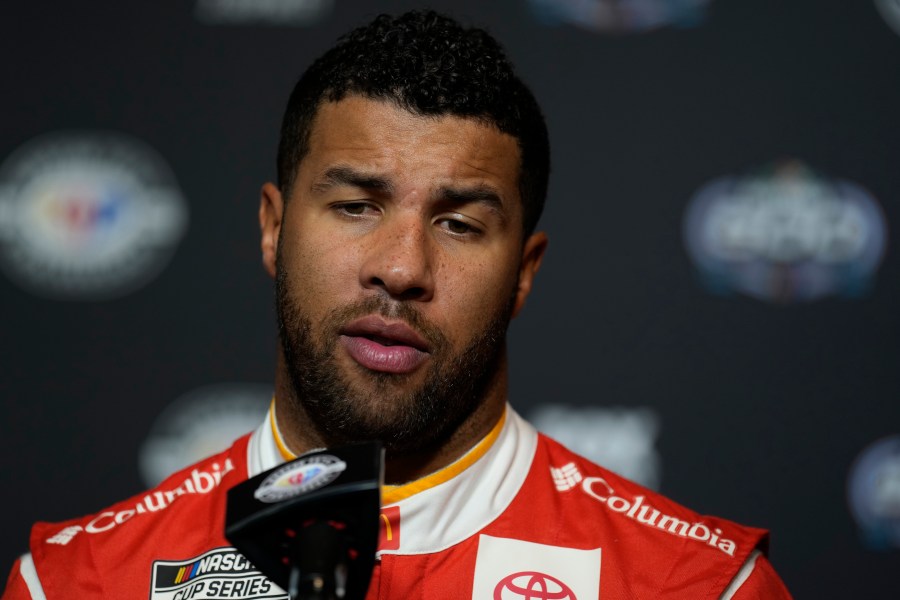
(757, 580)
(638, 527)
(181, 492)
(600, 490)
(167, 515)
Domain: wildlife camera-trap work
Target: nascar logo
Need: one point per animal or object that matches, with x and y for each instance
(298, 477)
(220, 573)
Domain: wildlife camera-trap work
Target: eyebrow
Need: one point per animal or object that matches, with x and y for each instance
(481, 194)
(342, 175)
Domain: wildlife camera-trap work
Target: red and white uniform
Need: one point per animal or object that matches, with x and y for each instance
(518, 516)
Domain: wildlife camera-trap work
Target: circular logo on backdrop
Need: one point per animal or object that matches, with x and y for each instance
(532, 585)
(199, 424)
(87, 216)
(873, 492)
(785, 234)
(890, 10)
(621, 16)
(270, 12)
(299, 477)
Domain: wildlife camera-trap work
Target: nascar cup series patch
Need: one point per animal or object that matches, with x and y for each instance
(300, 476)
(218, 574)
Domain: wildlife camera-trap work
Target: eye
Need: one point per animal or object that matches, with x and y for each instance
(354, 209)
(458, 227)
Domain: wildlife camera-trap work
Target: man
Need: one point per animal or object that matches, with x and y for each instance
(401, 236)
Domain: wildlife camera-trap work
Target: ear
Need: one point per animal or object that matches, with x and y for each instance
(271, 211)
(532, 255)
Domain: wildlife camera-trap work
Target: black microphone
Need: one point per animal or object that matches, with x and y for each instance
(311, 525)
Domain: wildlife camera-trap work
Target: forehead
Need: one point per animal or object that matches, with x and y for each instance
(412, 149)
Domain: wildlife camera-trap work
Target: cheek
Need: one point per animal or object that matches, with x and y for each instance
(321, 274)
(474, 292)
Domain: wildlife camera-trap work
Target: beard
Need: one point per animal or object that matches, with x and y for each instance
(383, 406)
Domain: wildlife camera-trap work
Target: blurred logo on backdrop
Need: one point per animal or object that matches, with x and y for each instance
(620, 439)
(262, 12)
(890, 10)
(785, 234)
(621, 16)
(87, 216)
(199, 424)
(873, 492)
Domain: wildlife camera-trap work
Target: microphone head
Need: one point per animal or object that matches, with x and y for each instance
(317, 515)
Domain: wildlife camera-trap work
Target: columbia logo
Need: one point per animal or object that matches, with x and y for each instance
(65, 536)
(565, 477)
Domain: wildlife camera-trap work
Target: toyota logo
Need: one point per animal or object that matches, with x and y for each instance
(531, 585)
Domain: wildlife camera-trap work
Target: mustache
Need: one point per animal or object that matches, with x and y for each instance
(389, 309)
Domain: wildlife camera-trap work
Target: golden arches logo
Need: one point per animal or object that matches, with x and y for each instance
(389, 536)
(388, 532)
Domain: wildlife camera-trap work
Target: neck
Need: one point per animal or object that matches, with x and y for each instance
(400, 469)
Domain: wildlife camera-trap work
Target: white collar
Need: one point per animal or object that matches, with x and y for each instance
(448, 510)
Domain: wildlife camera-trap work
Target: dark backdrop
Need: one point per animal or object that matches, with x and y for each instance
(762, 405)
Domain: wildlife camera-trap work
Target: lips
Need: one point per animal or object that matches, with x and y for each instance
(386, 347)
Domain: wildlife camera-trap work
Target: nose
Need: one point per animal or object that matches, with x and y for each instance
(399, 260)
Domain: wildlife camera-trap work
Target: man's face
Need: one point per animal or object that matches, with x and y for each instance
(400, 260)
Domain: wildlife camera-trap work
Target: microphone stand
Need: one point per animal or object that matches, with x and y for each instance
(318, 568)
(311, 525)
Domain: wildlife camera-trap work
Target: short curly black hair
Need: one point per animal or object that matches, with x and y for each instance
(428, 64)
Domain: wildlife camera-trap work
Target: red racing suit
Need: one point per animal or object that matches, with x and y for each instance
(519, 516)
